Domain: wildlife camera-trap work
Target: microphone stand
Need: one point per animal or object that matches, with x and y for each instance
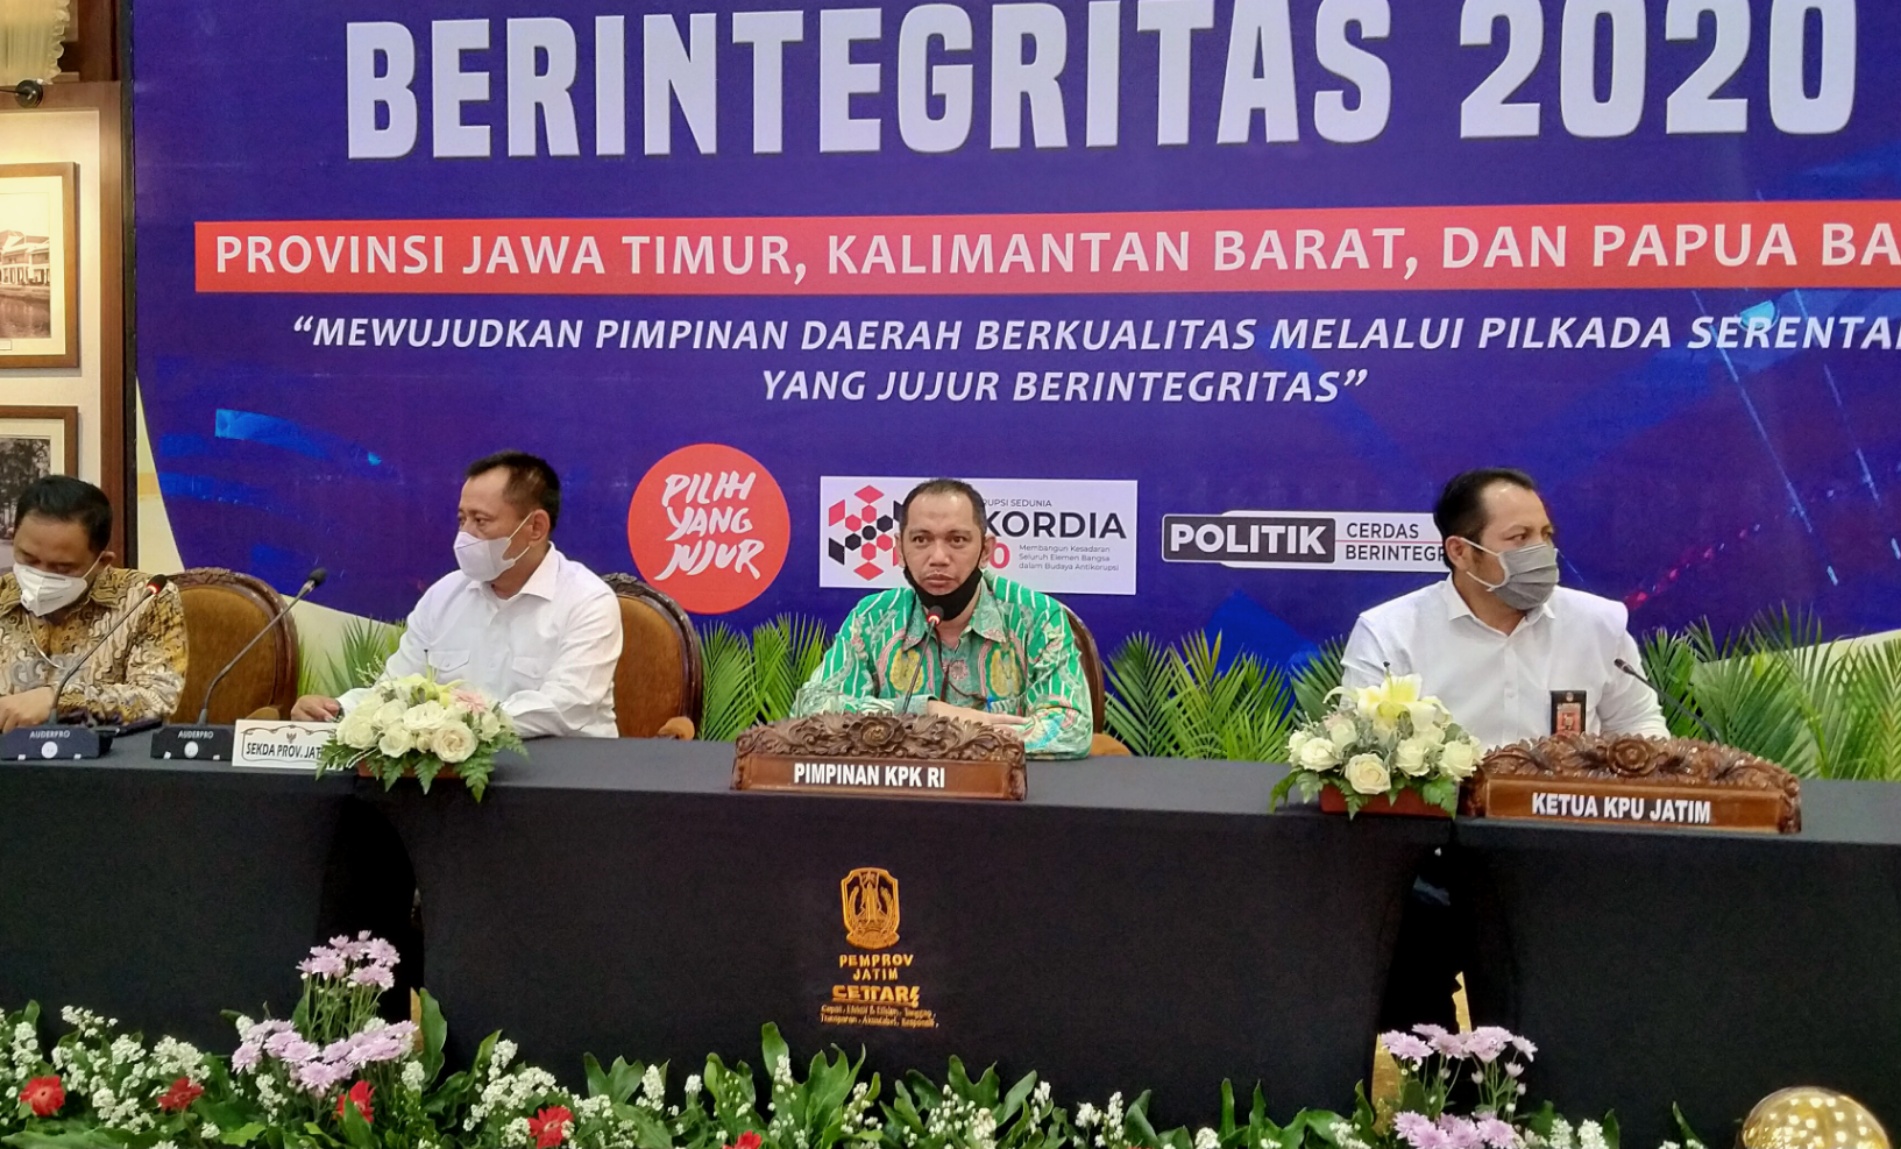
(214, 742)
(1675, 704)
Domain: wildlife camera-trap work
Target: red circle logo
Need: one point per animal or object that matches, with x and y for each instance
(709, 526)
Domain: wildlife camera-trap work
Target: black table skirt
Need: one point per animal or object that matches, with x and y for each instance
(1706, 969)
(160, 893)
(1132, 925)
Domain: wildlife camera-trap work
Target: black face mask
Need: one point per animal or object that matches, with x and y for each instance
(949, 605)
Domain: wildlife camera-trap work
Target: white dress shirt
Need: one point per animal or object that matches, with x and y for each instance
(547, 653)
(1499, 686)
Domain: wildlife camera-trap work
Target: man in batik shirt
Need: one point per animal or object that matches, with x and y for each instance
(958, 640)
(61, 597)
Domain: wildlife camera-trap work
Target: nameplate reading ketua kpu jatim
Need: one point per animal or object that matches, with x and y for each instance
(880, 755)
(1653, 783)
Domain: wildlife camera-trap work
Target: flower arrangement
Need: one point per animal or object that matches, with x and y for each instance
(336, 1075)
(1379, 742)
(416, 725)
(1435, 1066)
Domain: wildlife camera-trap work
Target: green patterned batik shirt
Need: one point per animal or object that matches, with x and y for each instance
(1016, 656)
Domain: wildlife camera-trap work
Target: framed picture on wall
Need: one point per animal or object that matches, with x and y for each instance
(39, 266)
(34, 442)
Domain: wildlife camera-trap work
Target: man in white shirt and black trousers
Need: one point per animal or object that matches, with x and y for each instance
(1513, 656)
(516, 619)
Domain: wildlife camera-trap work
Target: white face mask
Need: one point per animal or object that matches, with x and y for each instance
(42, 592)
(485, 560)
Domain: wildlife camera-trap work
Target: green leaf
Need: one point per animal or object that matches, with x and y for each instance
(596, 1076)
(356, 1131)
(435, 1034)
(243, 1134)
(83, 1139)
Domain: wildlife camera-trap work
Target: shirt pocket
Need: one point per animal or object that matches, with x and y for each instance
(528, 673)
(449, 665)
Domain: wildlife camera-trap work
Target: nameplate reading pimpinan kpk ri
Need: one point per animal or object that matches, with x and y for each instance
(880, 755)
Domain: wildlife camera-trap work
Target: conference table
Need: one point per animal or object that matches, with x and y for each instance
(1133, 924)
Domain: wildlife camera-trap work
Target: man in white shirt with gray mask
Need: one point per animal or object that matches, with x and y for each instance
(1512, 654)
(517, 619)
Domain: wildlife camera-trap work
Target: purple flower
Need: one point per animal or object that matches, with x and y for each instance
(1524, 1046)
(1450, 1045)
(1429, 1032)
(373, 975)
(1406, 1047)
(323, 962)
(1487, 1042)
(381, 952)
(1460, 1133)
(1514, 1069)
(289, 1047)
(319, 1076)
(258, 1032)
(1497, 1134)
(387, 1043)
(1417, 1130)
(245, 1059)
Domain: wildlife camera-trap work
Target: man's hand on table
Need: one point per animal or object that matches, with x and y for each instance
(315, 708)
(30, 708)
(1010, 723)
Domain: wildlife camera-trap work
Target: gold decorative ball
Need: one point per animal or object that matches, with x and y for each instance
(1809, 1117)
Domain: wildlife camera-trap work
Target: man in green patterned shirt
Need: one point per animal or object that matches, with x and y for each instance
(958, 640)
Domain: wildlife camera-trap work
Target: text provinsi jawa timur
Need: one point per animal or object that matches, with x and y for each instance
(1761, 245)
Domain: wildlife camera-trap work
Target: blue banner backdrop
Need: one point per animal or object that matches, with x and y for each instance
(1686, 480)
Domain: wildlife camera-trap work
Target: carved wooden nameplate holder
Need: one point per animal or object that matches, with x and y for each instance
(880, 755)
(1659, 783)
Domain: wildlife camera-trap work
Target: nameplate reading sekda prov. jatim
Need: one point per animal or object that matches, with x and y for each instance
(1657, 783)
(880, 755)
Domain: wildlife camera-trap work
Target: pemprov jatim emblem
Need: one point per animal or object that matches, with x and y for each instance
(870, 899)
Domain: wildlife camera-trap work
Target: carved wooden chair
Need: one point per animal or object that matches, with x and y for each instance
(658, 682)
(1102, 744)
(223, 611)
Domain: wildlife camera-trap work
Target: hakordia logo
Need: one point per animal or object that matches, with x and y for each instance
(1063, 536)
(1304, 540)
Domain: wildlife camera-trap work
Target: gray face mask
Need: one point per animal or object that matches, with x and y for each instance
(1531, 574)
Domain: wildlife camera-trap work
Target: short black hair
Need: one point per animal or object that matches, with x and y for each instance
(532, 482)
(1460, 511)
(946, 487)
(68, 501)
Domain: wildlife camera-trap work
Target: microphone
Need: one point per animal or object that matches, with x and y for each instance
(148, 592)
(311, 583)
(54, 739)
(1675, 703)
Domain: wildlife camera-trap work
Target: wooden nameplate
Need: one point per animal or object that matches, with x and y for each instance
(1652, 783)
(882, 756)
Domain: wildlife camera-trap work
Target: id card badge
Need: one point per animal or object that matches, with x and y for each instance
(1567, 711)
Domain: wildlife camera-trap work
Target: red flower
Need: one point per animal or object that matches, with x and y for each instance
(747, 1140)
(179, 1097)
(550, 1126)
(358, 1096)
(44, 1095)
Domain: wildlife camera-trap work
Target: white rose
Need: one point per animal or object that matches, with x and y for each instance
(491, 725)
(1426, 715)
(1367, 774)
(1317, 754)
(454, 742)
(1459, 759)
(1342, 730)
(1410, 757)
(395, 743)
(1295, 741)
(389, 714)
(357, 731)
(426, 716)
(422, 741)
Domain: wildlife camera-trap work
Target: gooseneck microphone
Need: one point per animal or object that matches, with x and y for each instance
(146, 594)
(1676, 703)
(311, 583)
